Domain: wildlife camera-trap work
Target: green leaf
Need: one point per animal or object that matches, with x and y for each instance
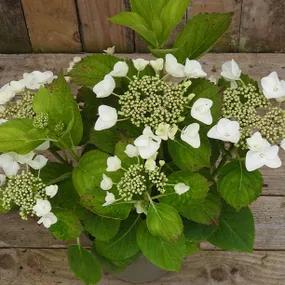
(200, 34)
(68, 226)
(138, 24)
(188, 158)
(235, 231)
(171, 14)
(237, 186)
(204, 211)
(84, 265)
(92, 69)
(86, 179)
(124, 245)
(57, 101)
(198, 232)
(120, 152)
(101, 228)
(55, 172)
(166, 255)
(203, 88)
(198, 188)
(164, 221)
(105, 140)
(20, 136)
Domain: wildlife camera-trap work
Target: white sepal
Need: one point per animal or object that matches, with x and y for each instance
(190, 135)
(131, 151)
(140, 64)
(51, 190)
(42, 207)
(2, 179)
(282, 144)
(150, 164)
(38, 162)
(272, 86)
(193, 69)
(157, 64)
(108, 118)
(231, 70)
(105, 87)
(109, 199)
(201, 110)
(172, 67)
(120, 69)
(106, 183)
(181, 188)
(48, 220)
(113, 163)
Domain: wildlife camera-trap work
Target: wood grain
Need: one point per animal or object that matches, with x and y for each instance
(263, 26)
(230, 41)
(49, 267)
(52, 25)
(14, 37)
(97, 32)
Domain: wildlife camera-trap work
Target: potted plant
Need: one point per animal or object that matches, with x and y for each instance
(149, 157)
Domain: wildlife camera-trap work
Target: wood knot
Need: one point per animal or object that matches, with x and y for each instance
(218, 274)
(6, 261)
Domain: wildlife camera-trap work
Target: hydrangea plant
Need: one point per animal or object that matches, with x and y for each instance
(149, 157)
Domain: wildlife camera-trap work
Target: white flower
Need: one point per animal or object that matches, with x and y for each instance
(113, 163)
(2, 121)
(157, 64)
(110, 50)
(51, 190)
(131, 150)
(42, 207)
(201, 111)
(140, 208)
(36, 79)
(193, 69)
(109, 199)
(105, 87)
(172, 66)
(190, 135)
(38, 162)
(44, 146)
(18, 86)
(150, 165)
(48, 220)
(225, 130)
(231, 70)
(2, 179)
(282, 144)
(272, 86)
(261, 153)
(8, 164)
(147, 144)
(165, 131)
(181, 188)
(108, 117)
(6, 94)
(120, 69)
(106, 183)
(140, 64)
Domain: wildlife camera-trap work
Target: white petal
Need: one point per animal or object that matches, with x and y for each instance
(201, 110)
(42, 207)
(140, 64)
(190, 135)
(157, 64)
(181, 188)
(6, 94)
(2, 121)
(140, 208)
(193, 69)
(113, 163)
(51, 190)
(150, 165)
(172, 67)
(272, 158)
(48, 220)
(8, 164)
(282, 144)
(110, 50)
(272, 86)
(105, 87)
(109, 199)
(120, 69)
(131, 151)
(18, 86)
(2, 179)
(106, 183)
(253, 161)
(162, 131)
(231, 70)
(256, 142)
(38, 162)
(107, 118)
(24, 158)
(43, 146)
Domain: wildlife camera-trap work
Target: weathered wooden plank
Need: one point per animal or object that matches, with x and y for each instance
(48, 267)
(14, 37)
(97, 32)
(263, 26)
(269, 213)
(230, 41)
(52, 25)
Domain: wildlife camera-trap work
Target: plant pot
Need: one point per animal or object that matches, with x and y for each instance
(140, 271)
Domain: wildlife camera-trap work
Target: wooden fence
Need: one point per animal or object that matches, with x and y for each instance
(82, 25)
